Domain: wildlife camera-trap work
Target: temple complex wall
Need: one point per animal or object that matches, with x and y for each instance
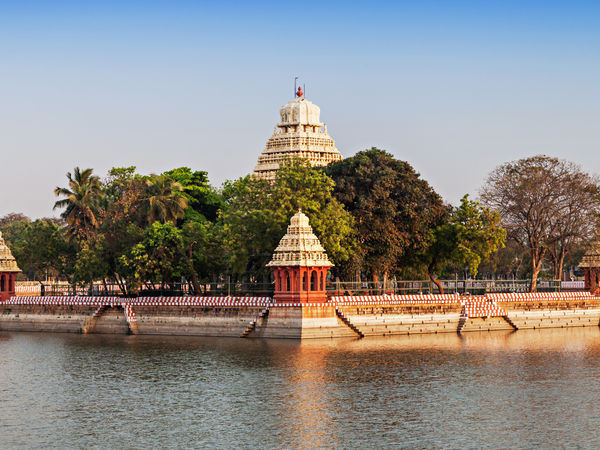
(194, 321)
(380, 317)
(554, 313)
(386, 320)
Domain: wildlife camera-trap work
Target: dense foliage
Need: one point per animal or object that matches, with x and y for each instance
(375, 216)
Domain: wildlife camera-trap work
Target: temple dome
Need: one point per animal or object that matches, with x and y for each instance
(7, 260)
(299, 134)
(300, 112)
(591, 259)
(300, 247)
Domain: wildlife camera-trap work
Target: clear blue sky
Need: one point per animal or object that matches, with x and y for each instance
(453, 87)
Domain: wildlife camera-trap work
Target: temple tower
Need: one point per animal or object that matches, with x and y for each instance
(300, 265)
(299, 134)
(590, 263)
(8, 271)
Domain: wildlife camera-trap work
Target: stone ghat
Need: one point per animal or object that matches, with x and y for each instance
(259, 317)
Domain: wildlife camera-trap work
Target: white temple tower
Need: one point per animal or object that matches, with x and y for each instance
(299, 134)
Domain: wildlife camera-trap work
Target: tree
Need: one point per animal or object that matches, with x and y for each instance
(577, 220)
(393, 208)
(13, 217)
(202, 198)
(257, 213)
(159, 257)
(471, 234)
(163, 201)
(80, 202)
(41, 248)
(122, 223)
(117, 182)
(545, 203)
(204, 251)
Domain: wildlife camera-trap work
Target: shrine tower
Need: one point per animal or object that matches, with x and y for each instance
(300, 265)
(8, 271)
(590, 263)
(299, 134)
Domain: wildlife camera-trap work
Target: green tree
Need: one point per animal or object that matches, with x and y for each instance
(117, 182)
(393, 208)
(80, 201)
(40, 248)
(163, 201)
(471, 235)
(203, 200)
(122, 227)
(205, 254)
(256, 214)
(159, 257)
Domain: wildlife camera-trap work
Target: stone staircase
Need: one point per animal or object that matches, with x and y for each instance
(131, 319)
(90, 324)
(510, 322)
(461, 323)
(482, 308)
(252, 325)
(349, 324)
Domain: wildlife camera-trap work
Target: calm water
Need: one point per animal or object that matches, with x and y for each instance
(524, 389)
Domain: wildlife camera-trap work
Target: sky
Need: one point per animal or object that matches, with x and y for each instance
(453, 87)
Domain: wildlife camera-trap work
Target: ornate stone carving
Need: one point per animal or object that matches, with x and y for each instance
(300, 247)
(7, 261)
(592, 255)
(301, 134)
(590, 263)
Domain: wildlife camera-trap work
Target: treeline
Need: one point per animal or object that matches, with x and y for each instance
(375, 216)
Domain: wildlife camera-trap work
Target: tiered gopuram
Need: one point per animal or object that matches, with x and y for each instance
(300, 264)
(300, 134)
(8, 271)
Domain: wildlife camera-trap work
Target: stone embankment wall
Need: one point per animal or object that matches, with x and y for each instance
(385, 320)
(259, 317)
(554, 313)
(62, 319)
(194, 320)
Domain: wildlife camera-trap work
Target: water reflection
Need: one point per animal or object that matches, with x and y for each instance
(527, 388)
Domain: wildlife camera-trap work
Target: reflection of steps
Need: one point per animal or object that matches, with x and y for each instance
(90, 324)
(349, 324)
(252, 325)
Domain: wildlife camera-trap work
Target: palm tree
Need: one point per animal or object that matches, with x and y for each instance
(163, 202)
(80, 202)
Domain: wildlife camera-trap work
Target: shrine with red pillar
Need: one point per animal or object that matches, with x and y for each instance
(300, 265)
(8, 272)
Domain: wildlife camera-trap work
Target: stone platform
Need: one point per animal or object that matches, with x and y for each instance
(250, 317)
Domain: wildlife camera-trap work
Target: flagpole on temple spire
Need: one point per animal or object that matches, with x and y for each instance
(295, 87)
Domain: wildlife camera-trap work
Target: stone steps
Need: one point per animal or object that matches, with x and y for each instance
(349, 324)
(252, 325)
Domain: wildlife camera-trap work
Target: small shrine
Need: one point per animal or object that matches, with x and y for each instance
(300, 264)
(8, 271)
(299, 134)
(590, 263)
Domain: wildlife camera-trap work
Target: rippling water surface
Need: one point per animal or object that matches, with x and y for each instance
(523, 389)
